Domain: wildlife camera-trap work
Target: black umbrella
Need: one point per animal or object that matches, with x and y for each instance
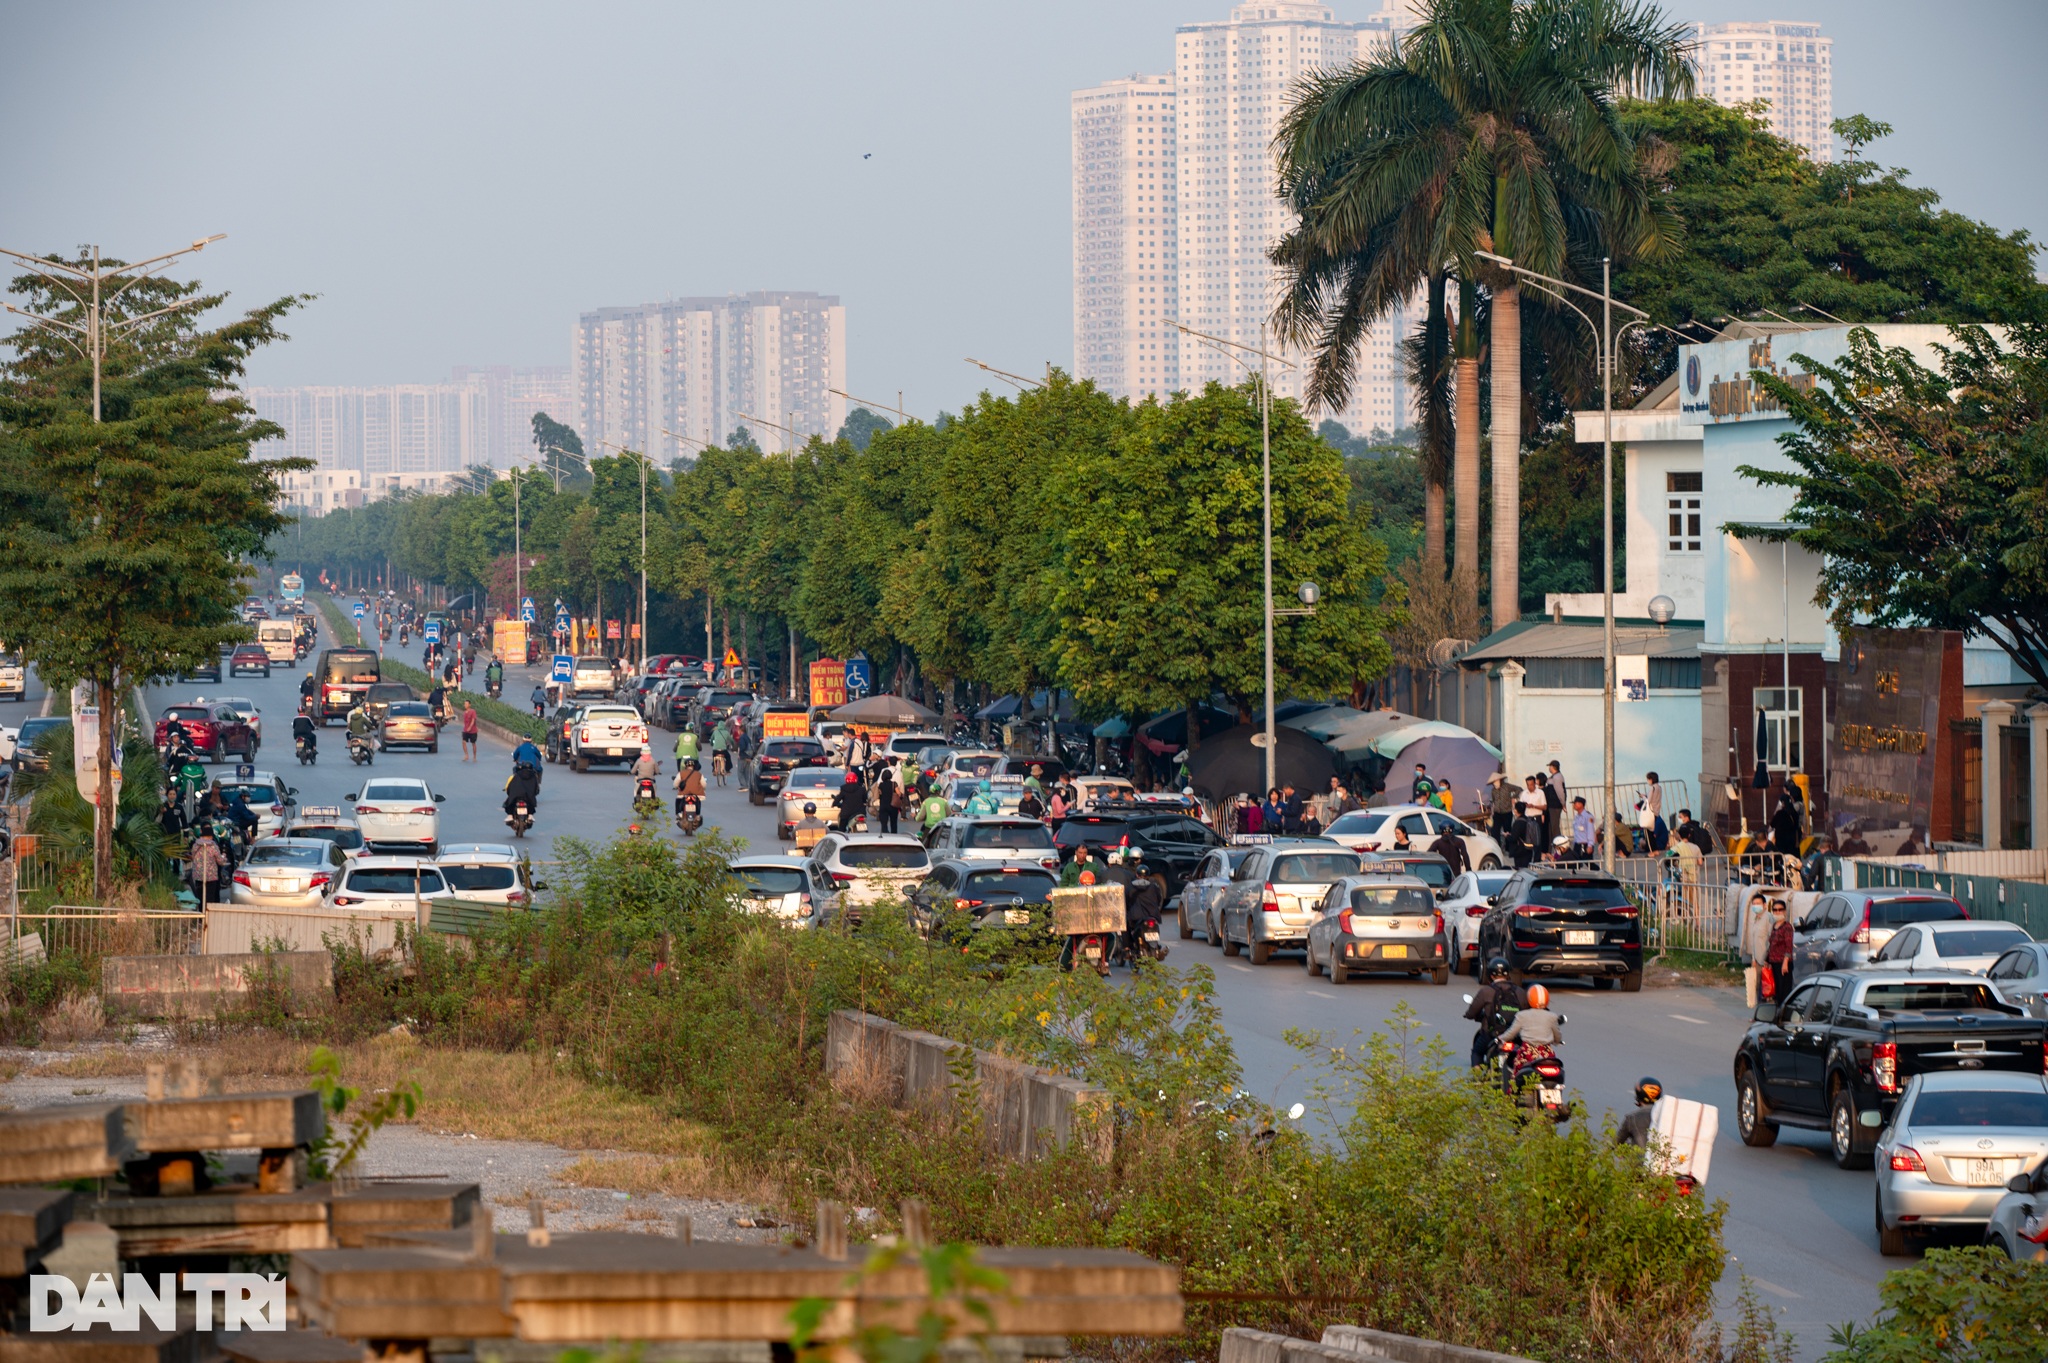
(1231, 764)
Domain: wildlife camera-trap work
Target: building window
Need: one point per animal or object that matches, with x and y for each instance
(1683, 516)
(1782, 747)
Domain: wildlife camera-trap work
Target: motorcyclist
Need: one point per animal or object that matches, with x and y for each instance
(539, 699)
(644, 766)
(239, 813)
(1144, 901)
(528, 753)
(1492, 1006)
(359, 725)
(494, 675)
(935, 810)
(810, 821)
(983, 802)
(436, 700)
(523, 785)
(1535, 1030)
(1635, 1128)
(307, 689)
(686, 744)
(689, 782)
(305, 730)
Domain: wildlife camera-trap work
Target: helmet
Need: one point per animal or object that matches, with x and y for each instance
(1497, 968)
(810, 808)
(1648, 1091)
(1539, 997)
(983, 787)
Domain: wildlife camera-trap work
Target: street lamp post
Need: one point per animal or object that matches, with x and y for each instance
(1604, 340)
(640, 460)
(902, 417)
(1266, 499)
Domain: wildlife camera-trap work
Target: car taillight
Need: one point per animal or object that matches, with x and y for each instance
(369, 809)
(1862, 937)
(1629, 911)
(1268, 901)
(516, 897)
(1884, 1065)
(1050, 863)
(319, 879)
(277, 810)
(1525, 946)
(1475, 911)
(967, 903)
(1906, 1160)
(1439, 922)
(424, 809)
(583, 737)
(1344, 922)
(241, 877)
(841, 878)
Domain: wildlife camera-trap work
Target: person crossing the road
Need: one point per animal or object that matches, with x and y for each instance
(469, 731)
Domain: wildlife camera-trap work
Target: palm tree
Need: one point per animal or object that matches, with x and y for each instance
(1493, 127)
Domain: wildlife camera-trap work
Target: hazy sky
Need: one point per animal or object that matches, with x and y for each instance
(457, 181)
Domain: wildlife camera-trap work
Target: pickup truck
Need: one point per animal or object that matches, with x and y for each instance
(1835, 1055)
(606, 734)
(13, 678)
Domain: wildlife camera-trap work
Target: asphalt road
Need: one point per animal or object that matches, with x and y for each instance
(1799, 1227)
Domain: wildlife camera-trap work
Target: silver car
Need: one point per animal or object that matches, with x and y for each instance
(850, 871)
(1956, 1139)
(1203, 891)
(1967, 945)
(488, 872)
(1378, 923)
(2019, 1223)
(1276, 893)
(775, 887)
(2022, 976)
(287, 873)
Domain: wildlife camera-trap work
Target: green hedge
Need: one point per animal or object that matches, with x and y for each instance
(496, 712)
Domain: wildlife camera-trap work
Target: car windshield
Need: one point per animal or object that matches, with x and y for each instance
(389, 790)
(1577, 894)
(1930, 996)
(260, 855)
(347, 839)
(1435, 874)
(1360, 822)
(1030, 886)
(725, 700)
(1314, 868)
(415, 708)
(884, 856)
(759, 882)
(392, 880)
(1896, 913)
(352, 666)
(388, 691)
(1982, 1107)
(1977, 941)
(1020, 834)
(1489, 882)
(788, 749)
(1391, 899)
(488, 877)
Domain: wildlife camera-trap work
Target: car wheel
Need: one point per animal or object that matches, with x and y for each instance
(1308, 959)
(433, 747)
(1186, 929)
(1843, 1132)
(1261, 952)
(1489, 862)
(784, 833)
(579, 764)
(1440, 976)
(1517, 979)
(1230, 946)
(1891, 1240)
(1603, 982)
(1752, 1121)
(753, 796)
(1632, 983)
(1338, 973)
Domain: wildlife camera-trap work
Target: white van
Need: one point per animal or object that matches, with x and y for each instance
(280, 640)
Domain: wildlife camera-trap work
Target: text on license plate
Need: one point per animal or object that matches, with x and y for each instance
(279, 886)
(1016, 916)
(614, 752)
(1582, 937)
(1394, 951)
(1983, 1172)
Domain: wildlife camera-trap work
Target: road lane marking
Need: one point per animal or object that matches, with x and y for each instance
(1322, 993)
(1235, 966)
(1697, 1022)
(1787, 1293)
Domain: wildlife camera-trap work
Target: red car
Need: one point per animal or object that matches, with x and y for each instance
(249, 658)
(216, 732)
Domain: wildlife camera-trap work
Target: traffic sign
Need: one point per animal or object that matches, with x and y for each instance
(358, 610)
(526, 610)
(564, 669)
(860, 675)
(732, 658)
(433, 631)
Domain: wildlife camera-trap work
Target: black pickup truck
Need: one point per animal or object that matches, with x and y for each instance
(1837, 1053)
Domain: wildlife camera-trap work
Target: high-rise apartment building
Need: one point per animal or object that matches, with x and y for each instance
(1126, 255)
(1787, 65)
(1228, 92)
(700, 367)
(480, 416)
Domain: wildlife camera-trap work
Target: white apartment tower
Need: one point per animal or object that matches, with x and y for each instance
(700, 367)
(1787, 65)
(1126, 256)
(480, 416)
(1211, 151)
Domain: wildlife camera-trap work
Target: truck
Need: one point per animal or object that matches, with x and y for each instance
(1835, 1053)
(606, 735)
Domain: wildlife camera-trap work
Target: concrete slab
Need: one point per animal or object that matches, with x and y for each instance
(200, 986)
(31, 1224)
(54, 1144)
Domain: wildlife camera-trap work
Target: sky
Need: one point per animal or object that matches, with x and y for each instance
(457, 181)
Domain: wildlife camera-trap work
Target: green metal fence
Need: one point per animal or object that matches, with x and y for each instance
(2011, 901)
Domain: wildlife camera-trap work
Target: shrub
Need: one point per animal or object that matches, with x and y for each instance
(1973, 1305)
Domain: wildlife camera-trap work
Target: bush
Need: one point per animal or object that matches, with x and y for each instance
(1956, 1306)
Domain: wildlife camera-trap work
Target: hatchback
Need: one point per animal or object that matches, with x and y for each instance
(1378, 923)
(386, 882)
(984, 893)
(1974, 947)
(777, 759)
(487, 872)
(1846, 928)
(246, 707)
(778, 887)
(249, 658)
(852, 870)
(806, 785)
(1276, 893)
(1464, 903)
(1203, 890)
(398, 813)
(1956, 1138)
(286, 873)
(409, 724)
(2021, 974)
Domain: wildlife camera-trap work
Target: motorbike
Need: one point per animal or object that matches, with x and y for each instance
(308, 753)
(359, 750)
(690, 817)
(520, 819)
(404, 637)
(1534, 1078)
(645, 804)
(493, 687)
(1088, 948)
(1140, 942)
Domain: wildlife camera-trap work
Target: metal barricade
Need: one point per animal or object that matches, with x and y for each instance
(88, 932)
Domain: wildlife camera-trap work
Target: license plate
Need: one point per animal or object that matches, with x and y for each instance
(1983, 1173)
(1151, 936)
(1550, 1094)
(1015, 917)
(1395, 952)
(272, 886)
(614, 752)
(1581, 938)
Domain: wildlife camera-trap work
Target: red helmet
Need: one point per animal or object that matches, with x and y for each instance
(1539, 997)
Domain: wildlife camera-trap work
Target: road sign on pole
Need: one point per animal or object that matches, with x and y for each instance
(564, 669)
(860, 675)
(526, 610)
(433, 631)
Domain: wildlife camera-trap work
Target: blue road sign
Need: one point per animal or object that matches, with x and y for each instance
(526, 610)
(359, 610)
(433, 631)
(860, 674)
(564, 669)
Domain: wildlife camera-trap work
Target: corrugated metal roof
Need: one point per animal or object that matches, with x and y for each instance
(1547, 639)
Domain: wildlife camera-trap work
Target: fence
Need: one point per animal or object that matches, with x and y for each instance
(2021, 864)
(237, 928)
(1992, 897)
(90, 933)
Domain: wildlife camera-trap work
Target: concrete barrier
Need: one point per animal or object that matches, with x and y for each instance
(1348, 1344)
(200, 986)
(1025, 1107)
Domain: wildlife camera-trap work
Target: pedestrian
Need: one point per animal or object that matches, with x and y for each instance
(1785, 834)
(1778, 952)
(886, 799)
(1755, 943)
(1554, 802)
(1501, 804)
(1291, 810)
(1422, 788)
(1528, 838)
(1443, 798)
(468, 731)
(1535, 805)
(1273, 813)
(1451, 848)
(1585, 833)
(1653, 803)
(204, 862)
(1691, 830)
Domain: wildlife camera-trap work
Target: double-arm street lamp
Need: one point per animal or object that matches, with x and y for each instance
(642, 461)
(1605, 338)
(902, 417)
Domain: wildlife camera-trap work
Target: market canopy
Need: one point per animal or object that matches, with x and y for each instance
(883, 710)
(1231, 764)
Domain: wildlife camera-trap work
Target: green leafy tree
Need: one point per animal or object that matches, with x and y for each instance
(124, 551)
(860, 427)
(1925, 491)
(561, 450)
(1974, 1305)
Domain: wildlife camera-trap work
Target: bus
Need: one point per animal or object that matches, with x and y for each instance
(292, 587)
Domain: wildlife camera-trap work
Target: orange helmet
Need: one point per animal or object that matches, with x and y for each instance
(1087, 877)
(1539, 997)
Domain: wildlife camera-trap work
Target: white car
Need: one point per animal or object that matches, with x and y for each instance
(8, 739)
(1463, 904)
(287, 873)
(776, 887)
(1972, 945)
(970, 762)
(1372, 830)
(268, 797)
(998, 839)
(852, 870)
(612, 734)
(487, 872)
(13, 678)
(1112, 790)
(386, 882)
(398, 812)
(911, 744)
(807, 785)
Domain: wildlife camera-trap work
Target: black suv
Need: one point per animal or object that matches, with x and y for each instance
(554, 746)
(1172, 844)
(779, 757)
(1548, 922)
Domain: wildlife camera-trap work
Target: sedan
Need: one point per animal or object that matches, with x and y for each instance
(1970, 946)
(394, 812)
(2019, 1223)
(2022, 976)
(1955, 1140)
(287, 873)
(249, 658)
(1378, 923)
(777, 887)
(409, 724)
(1464, 903)
(1277, 894)
(1202, 891)
(487, 872)
(1372, 830)
(207, 670)
(386, 883)
(806, 785)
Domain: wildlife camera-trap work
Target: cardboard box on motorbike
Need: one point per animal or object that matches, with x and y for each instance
(1087, 909)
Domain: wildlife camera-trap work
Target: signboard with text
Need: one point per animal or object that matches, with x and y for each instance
(1884, 757)
(828, 682)
(611, 629)
(786, 724)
